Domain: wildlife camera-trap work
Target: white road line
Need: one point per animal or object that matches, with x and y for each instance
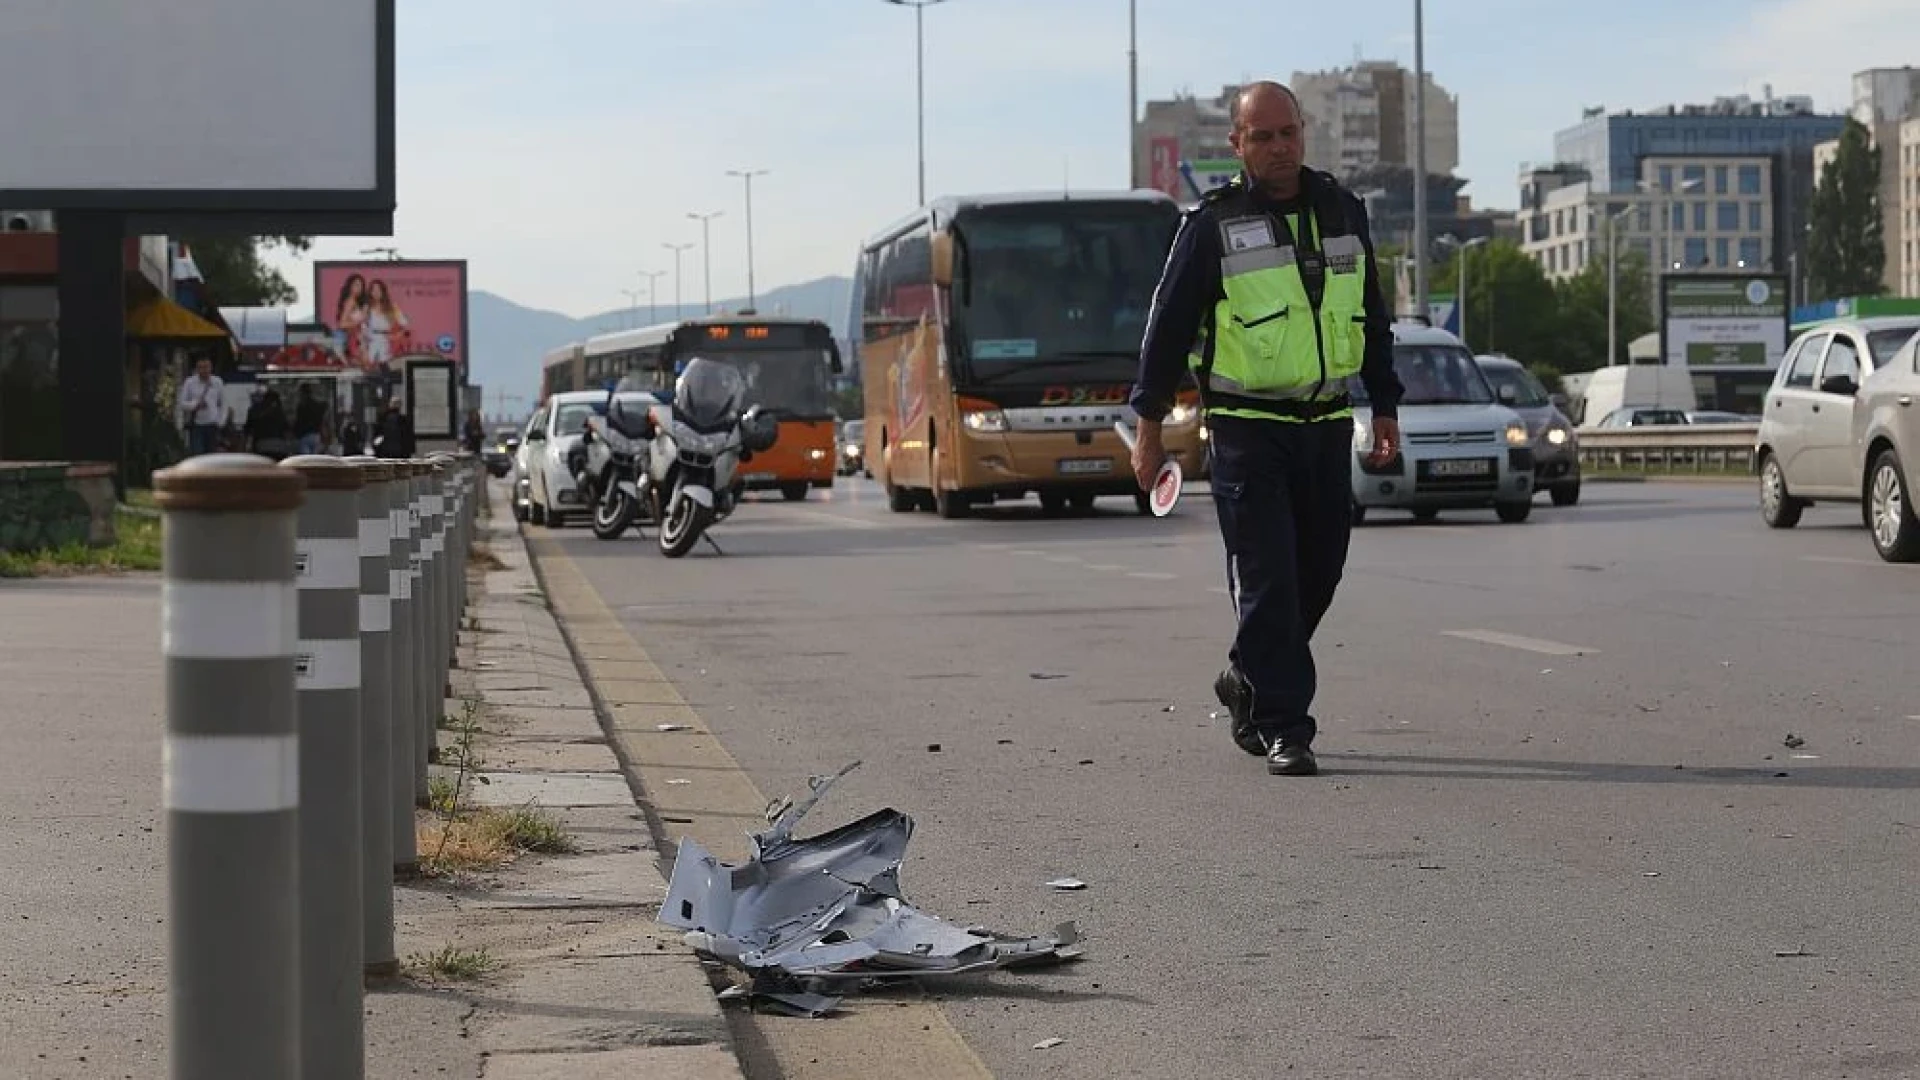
(1217, 590)
(1062, 559)
(1106, 568)
(1838, 559)
(833, 519)
(1024, 551)
(1514, 641)
(1152, 575)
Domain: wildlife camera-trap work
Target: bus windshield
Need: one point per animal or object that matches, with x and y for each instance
(792, 384)
(1056, 288)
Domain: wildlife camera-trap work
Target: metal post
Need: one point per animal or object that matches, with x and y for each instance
(1423, 308)
(1133, 92)
(920, 94)
(1613, 289)
(231, 787)
(327, 679)
(401, 716)
(706, 250)
(676, 249)
(379, 958)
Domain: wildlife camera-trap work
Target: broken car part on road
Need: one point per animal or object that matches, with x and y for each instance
(803, 917)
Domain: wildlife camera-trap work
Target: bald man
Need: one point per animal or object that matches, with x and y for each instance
(1271, 300)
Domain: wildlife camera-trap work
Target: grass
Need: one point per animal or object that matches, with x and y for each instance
(453, 964)
(136, 546)
(480, 556)
(460, 838)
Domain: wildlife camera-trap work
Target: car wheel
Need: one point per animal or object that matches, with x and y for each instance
(1513, 513)
(1426, 517)
(1777, 508)
(1895, 530)
(538, 513)
(1566, 494)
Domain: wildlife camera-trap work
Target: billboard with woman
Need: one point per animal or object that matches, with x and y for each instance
(382, 314)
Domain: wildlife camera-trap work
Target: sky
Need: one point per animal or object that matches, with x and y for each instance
(558, 147)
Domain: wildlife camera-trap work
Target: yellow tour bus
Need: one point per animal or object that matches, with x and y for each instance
(997, 338)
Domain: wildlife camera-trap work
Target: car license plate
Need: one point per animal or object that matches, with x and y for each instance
(1460, 467)
(1083, 466)
(757, 477)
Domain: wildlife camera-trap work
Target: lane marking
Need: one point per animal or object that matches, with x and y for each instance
(1840, 560)
(1062, 559)
(1152, 575)
(823, 516)
(1515, 641)
(231, 774)
(1109, 568)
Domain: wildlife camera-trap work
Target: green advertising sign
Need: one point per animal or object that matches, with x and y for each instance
(1714, 320)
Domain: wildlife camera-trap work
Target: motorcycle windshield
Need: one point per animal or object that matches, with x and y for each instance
(709, 395)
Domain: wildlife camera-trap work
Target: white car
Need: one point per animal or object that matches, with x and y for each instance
(553, 432)
(1807, 450)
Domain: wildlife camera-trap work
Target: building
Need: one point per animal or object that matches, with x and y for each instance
(1884, 101)
(1906, 238)
(1361, 117)
(1725, 186)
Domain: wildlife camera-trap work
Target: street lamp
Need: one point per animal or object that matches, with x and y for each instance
(706, 249)
(1613, 282)
(748, 175)
(1460, 259)
(633, 306)
(676, 249)
(1667, 261)
(652, 292)
(920, 79)
(1420, 162)
(1133, 91)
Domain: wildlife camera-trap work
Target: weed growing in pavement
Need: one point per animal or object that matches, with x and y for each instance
(453, 964)
(462, 838)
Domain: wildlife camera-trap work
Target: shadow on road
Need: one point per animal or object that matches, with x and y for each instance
(1786, 773)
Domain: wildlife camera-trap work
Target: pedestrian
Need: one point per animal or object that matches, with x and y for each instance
(309, 421)
(393, 437)
(202, 408)
(1271, 299)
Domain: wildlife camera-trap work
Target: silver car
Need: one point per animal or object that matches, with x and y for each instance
(1461, 449)
(1807, 450)
(1556, 448)
(553, 433)
(1886, 429)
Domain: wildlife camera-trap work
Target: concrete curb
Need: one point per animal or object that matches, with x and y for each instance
(590, 986)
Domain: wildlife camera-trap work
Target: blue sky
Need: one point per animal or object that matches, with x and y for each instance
(556, 147)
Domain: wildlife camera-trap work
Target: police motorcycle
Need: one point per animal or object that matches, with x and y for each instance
(610, 466)
(699, 443)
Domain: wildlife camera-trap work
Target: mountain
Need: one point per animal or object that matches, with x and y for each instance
(508, 339)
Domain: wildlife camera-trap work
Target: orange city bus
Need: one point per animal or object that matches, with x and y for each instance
(997, 341)
(787, 364)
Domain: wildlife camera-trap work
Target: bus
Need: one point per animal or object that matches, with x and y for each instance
(997, 339)
(787, 363)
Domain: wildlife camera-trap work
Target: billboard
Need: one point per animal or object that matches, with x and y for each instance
(1164, 154)
(383, 314)
(139, 106)
(1733, 320)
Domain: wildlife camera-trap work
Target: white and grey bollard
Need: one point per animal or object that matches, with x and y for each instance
(379, 959)
(231, 785)
(401, 716)
(327, 678)
(432, 702)
(422, 631)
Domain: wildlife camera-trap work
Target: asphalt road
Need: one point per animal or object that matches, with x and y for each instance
(1557, 832)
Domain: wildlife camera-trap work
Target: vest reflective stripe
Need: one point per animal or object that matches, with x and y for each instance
(1217, 381)
(1252, 262)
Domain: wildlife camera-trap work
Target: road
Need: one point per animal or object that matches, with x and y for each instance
(1557, 832)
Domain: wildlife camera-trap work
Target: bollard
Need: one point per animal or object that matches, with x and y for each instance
(400, 712)
(327, 681)
(432, 701)
(421, 719)
(379, 957)
(231, 787)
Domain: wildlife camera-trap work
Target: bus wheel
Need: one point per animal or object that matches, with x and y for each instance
(794, 492)
(951, 504)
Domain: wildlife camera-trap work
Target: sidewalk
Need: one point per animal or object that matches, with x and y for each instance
(587, 986)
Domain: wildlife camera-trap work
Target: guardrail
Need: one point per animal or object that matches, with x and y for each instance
(1671, 447)
(310, 614)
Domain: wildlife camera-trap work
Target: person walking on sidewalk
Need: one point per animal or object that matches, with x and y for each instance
(1271, 299)
(202, 408)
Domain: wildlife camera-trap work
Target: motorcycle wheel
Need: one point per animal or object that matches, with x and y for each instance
(682, 528)
(611, 516)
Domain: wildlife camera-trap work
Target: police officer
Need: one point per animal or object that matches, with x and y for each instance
(1271, 298)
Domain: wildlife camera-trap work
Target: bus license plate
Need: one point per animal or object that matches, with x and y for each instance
(1460, 467)
(1083, 466)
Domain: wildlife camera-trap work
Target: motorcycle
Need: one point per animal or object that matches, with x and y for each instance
(610, 467)
(698, 450)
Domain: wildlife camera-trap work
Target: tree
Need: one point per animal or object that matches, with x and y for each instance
(1582, 303)
(1846, 253)
(235, 274)
(1511, 305)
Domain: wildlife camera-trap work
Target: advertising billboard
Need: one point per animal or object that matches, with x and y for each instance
(382, 315)
(1724, 320)
(134, 105)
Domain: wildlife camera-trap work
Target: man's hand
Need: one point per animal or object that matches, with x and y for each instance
(1386, 441)
(1148, 454)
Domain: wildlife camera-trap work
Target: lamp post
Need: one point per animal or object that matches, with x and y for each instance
(676, 249)
(633, 306)
(652, 293)
(1613, 283)
(1460, 259)
(1420, 163)
(920, 79)
(706, 249)
(748, 175)
(1133, 91)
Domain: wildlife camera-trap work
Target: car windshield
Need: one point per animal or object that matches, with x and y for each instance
(572, 419)
(1528, 393)
(1433, 375)
(1884, 343)
(1058, 288)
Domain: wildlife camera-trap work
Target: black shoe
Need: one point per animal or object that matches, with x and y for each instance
(1292, 759)
(1234, 693)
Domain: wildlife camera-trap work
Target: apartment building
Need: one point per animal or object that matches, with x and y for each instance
(1885, 100)
(1905, 239)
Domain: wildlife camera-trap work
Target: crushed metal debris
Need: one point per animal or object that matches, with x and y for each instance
(809, 919)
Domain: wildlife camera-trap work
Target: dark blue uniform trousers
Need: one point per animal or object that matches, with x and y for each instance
(1283, 492)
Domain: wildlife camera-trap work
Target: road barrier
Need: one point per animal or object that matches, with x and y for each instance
(310, 615)
(1671, 447)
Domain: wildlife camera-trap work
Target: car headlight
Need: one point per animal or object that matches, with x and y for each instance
(1517, 435)
(1558, 436)
(1181, 414)
(986, 421)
